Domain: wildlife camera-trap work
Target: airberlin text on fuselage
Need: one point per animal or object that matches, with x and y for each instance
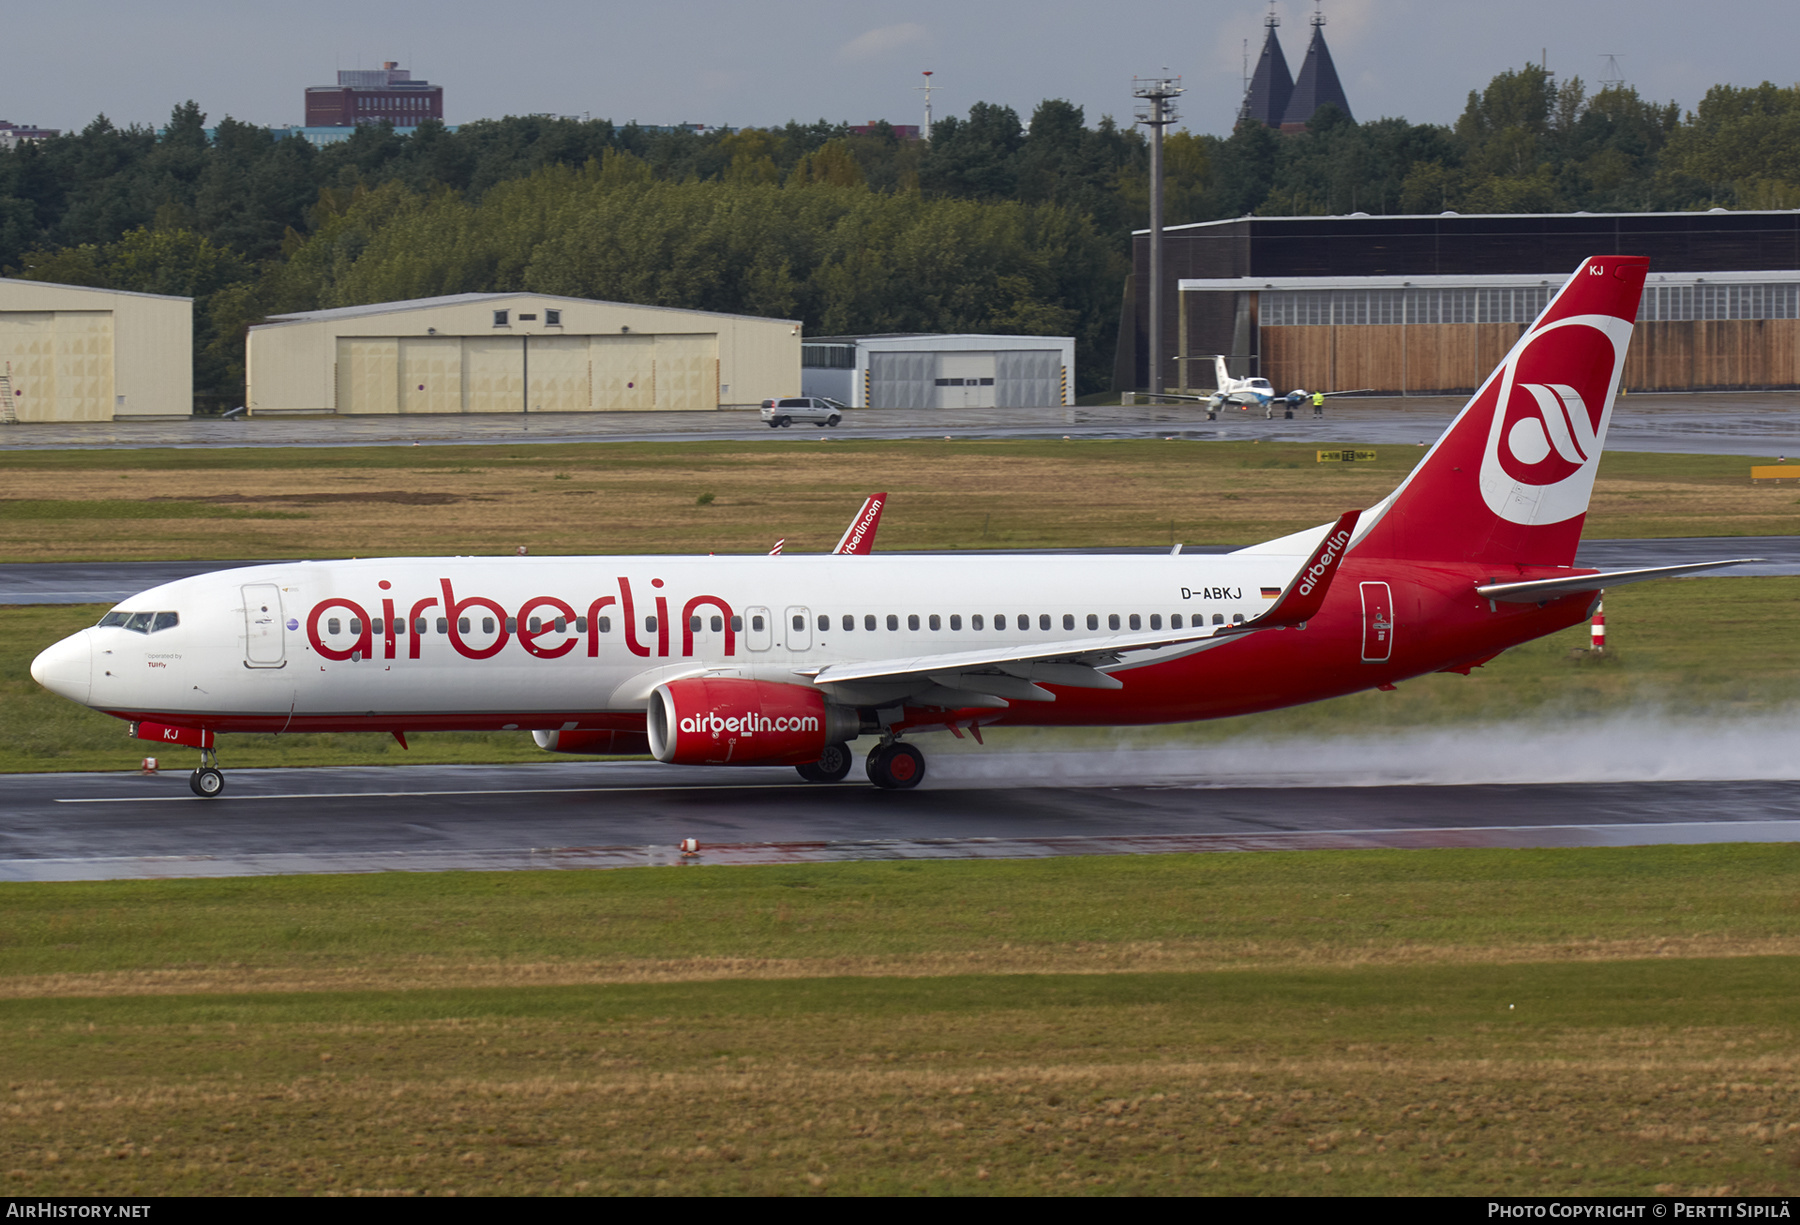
(547, 642)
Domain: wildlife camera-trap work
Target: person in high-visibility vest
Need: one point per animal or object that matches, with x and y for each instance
(1318, 404)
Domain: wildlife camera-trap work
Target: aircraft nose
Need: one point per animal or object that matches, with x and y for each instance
(67, 669)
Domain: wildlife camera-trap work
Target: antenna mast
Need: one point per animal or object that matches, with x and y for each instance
(926, 89)
(1157, 113)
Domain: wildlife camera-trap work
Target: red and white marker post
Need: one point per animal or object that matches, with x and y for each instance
(1597, 627)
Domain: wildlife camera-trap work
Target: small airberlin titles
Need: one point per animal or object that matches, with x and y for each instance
(1324, 560)
(559, 621)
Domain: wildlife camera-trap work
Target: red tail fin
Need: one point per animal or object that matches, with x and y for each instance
(1510, 479)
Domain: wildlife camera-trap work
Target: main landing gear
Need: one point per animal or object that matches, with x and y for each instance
(895, 766)
(832, 767)
(207, 781)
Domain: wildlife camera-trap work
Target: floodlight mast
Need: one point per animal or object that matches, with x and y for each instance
(1159, 94)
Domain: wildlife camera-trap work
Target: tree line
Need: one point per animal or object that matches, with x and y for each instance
(995, 225)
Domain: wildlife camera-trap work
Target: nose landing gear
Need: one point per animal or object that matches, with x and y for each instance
(895, 766)
(207, 781)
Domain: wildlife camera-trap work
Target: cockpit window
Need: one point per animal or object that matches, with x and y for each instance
(141, 622)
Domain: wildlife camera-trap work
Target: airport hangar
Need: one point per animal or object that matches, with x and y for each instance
(74, 353)
(920, 370)
(1427, 305)
(517, 353)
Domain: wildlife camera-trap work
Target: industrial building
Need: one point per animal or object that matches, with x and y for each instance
(72, 353)
(517, 353)
(371, 95)
(940, 371)
(1423, 305)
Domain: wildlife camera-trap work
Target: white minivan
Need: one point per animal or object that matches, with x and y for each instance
(809, 410)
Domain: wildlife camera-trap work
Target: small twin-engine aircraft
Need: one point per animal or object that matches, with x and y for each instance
(786, 660)
(1251, 393)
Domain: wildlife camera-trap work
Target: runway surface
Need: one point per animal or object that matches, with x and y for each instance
(1741, 423)
(110, 582)
(595, 815)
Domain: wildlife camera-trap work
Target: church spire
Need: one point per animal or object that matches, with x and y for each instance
(1318, 83)
(1266, 101)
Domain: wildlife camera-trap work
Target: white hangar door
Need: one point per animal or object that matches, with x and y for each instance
(624, 375)
(28, 347)
(1027, 378)
(61, 364)
(493, 374)
(84, 365)
(901, 380)
(965, 380)
(687, 372)
(430, 374)
(558, 375)
(368, 374)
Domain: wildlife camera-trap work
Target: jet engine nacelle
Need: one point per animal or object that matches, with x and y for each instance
(587, 740)
(719, 721)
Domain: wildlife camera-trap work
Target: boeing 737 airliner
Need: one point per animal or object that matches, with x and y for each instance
(785, 660)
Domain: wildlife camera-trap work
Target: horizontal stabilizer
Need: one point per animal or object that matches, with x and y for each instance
(1531, 591)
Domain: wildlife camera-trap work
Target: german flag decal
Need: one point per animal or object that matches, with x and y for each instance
(1269, 593)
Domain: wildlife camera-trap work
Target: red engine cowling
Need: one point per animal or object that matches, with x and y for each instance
(708, 721)
(588, 740)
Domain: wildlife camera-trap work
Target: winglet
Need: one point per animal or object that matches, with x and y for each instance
(859, 537)
(1304, 595)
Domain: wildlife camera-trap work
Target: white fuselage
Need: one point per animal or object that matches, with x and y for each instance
(328, 643)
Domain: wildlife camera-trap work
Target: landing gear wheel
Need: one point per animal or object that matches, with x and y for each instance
(832, 767)
(896, 767)
(207, 782)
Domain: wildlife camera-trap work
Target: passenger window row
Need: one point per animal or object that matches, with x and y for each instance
(141, 622)
(1022, 621)
(978, 623)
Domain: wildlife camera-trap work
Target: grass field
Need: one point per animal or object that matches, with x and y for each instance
(1446, 1022)
(646, 497)
(1693, 649)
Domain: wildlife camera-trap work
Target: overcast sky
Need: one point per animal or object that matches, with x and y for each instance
(739, 64)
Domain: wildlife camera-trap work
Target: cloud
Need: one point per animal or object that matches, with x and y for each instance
(881, 41)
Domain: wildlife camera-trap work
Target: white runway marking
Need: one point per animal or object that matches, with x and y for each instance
(380, 795)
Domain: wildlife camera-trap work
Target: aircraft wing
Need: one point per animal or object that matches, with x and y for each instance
(1531, 591)
(990, 676)
(859, 537)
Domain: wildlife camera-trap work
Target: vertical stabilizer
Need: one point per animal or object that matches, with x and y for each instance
(1509, 481)
(1221, 373)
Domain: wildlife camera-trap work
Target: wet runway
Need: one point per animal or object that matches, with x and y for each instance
(596, 815)
(110, 582)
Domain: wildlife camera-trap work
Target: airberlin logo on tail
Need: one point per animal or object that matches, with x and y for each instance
(1550, 403)
(1322, 564)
